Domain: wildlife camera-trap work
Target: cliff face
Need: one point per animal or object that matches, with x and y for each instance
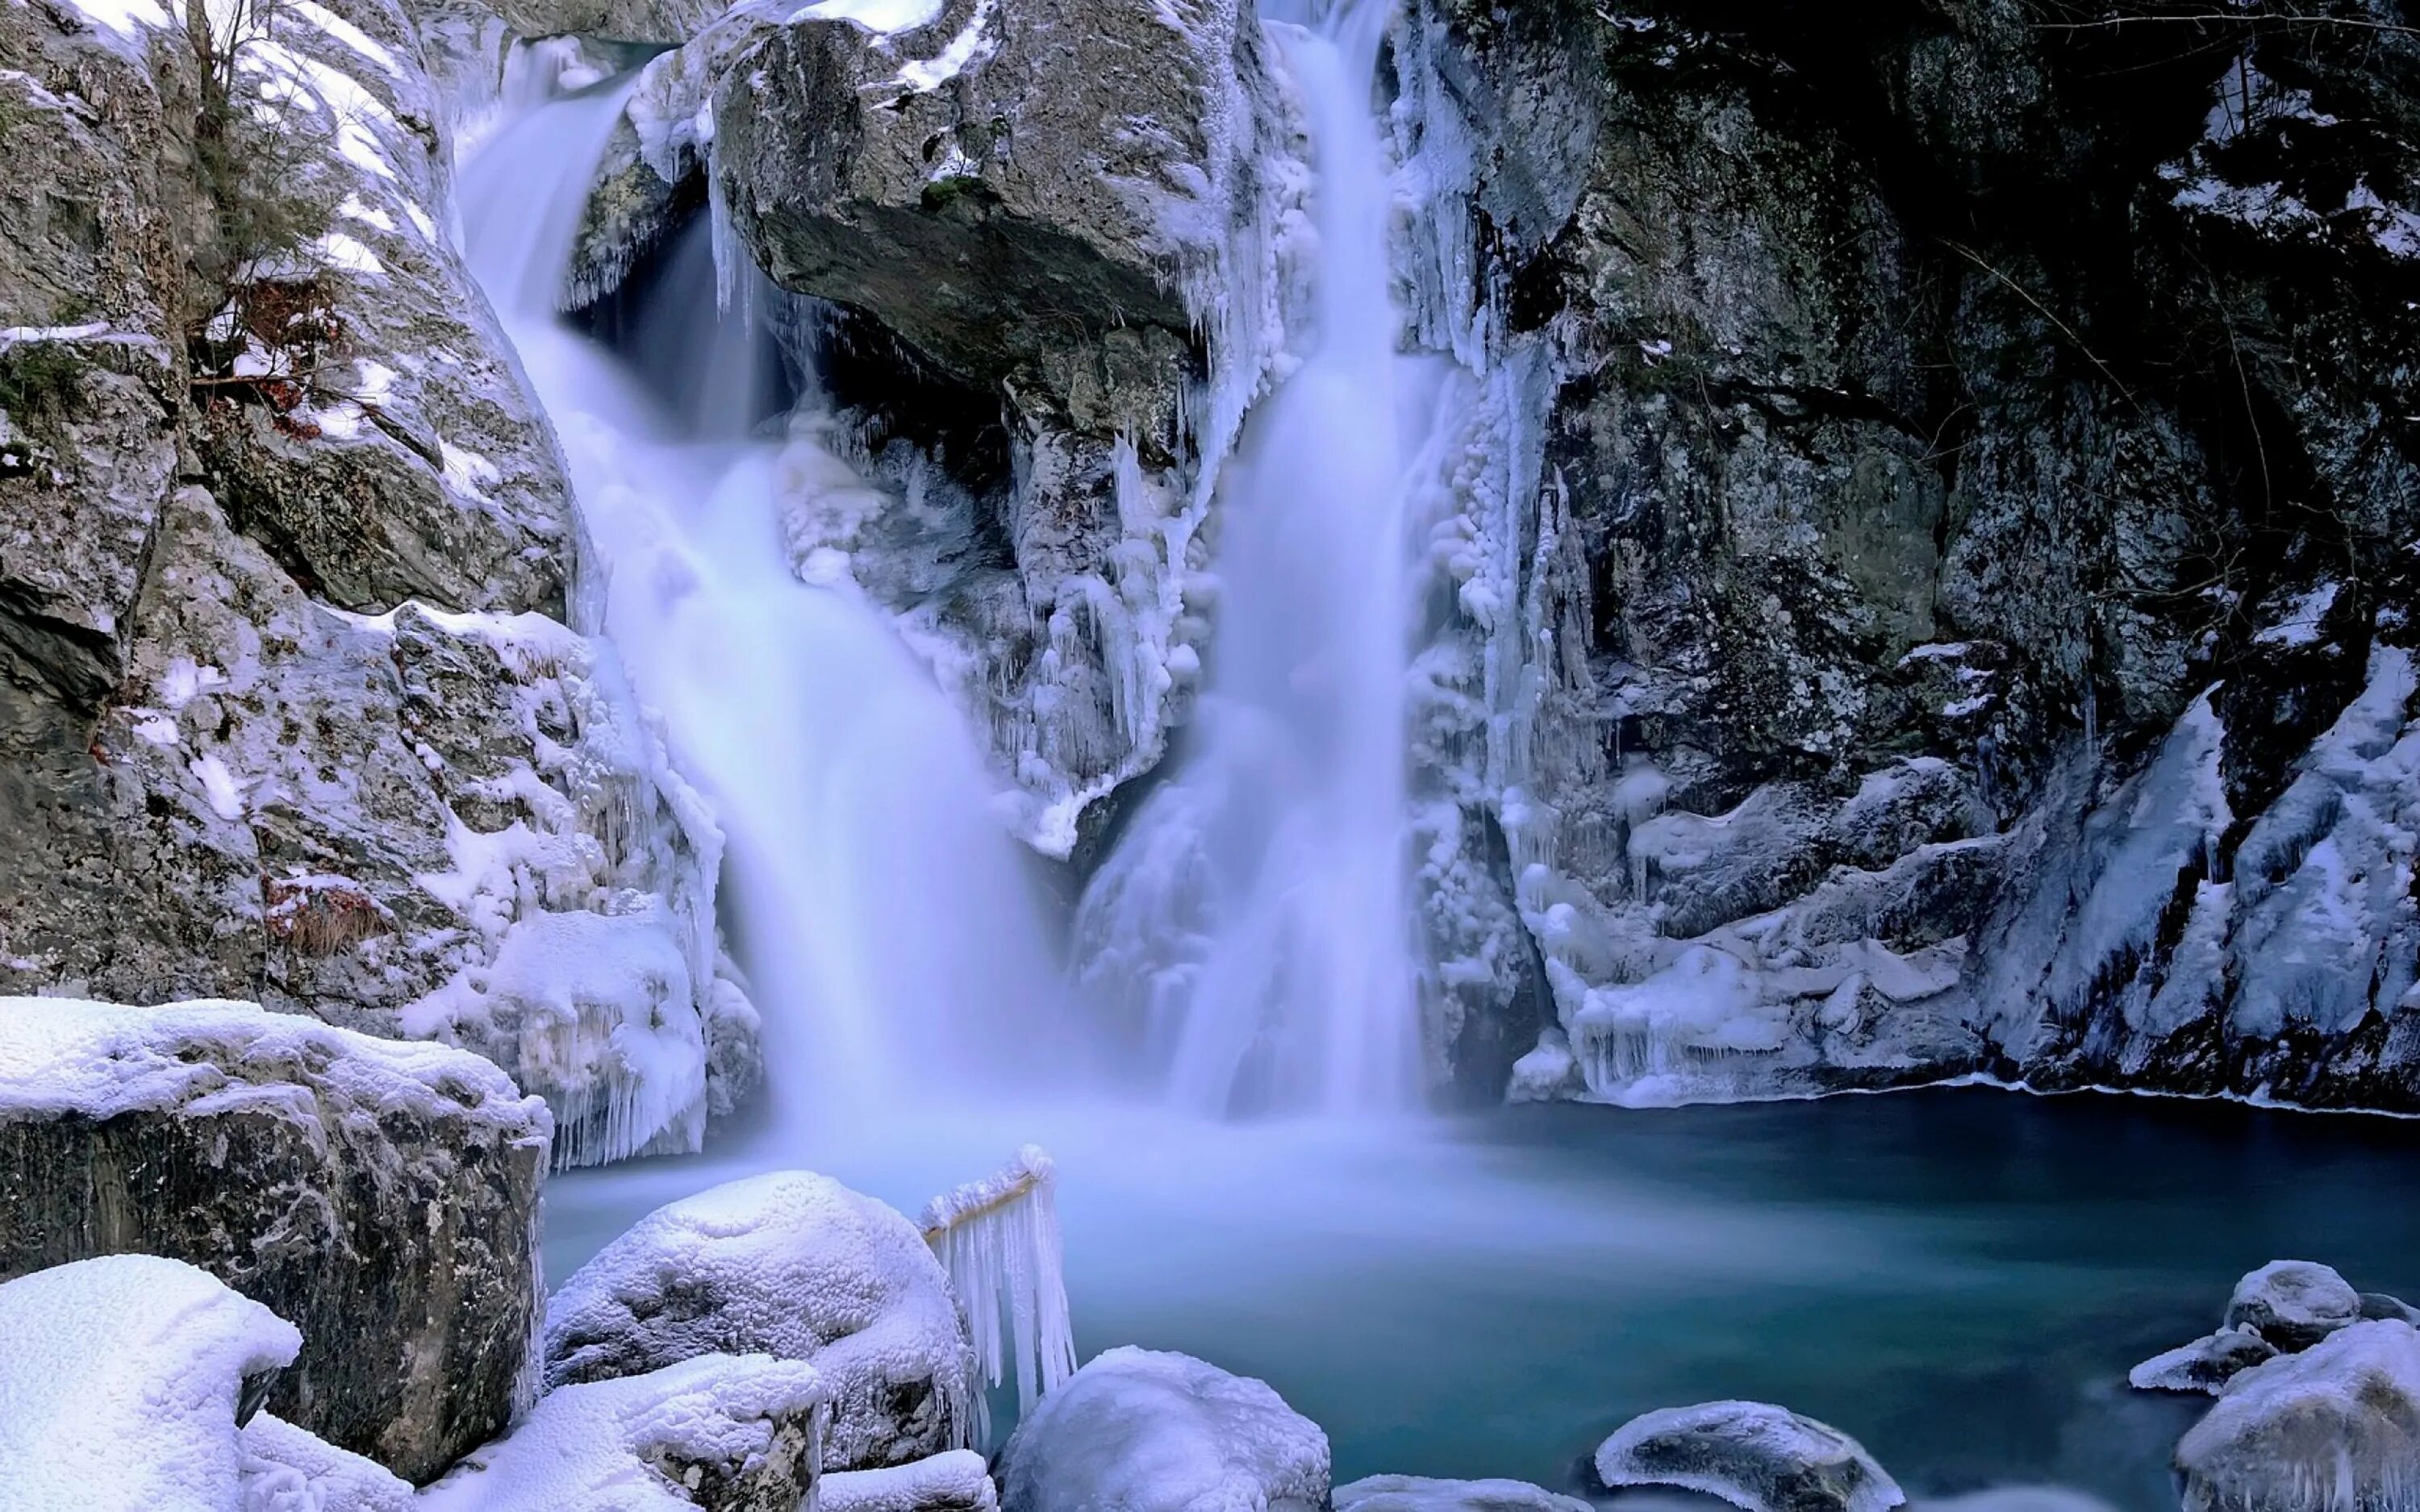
(1944, 592)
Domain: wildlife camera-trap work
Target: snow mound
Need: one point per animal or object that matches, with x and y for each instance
(2334, 1428)
(1137, 1431)
(2293, 1304)
(1754, 1455)
(2206, 1364)
(101, 1060)
(952, 1482)
(793, 1265)
(286, 1470)
(122, 1380)
(1417, 1493)
(999, 1239)
(716, 1432)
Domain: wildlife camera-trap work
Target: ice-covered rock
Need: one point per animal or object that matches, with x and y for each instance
(2293, 1304)
(381, 1195)
(793, 1265)
(122, 1381)
(2378, 1305)
(2206, 1364)
(956, 1481)
(2016, 1499)
(286, 1470)
(2333, 1428)
(1418, 1493)
(725, 1433)
(1139, 1431)
(1756, 1457)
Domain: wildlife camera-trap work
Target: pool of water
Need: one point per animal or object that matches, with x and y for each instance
(1958, 1277)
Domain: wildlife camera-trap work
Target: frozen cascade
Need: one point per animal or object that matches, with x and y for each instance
(1254, 922)
(875, 899)
(999, 1240)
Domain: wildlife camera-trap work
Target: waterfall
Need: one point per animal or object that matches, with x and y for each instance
(873, 894)
(1256, 915)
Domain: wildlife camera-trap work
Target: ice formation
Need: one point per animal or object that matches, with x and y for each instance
(999, 1240)
(1754, 1455)
(121, 1381)
(1418, 1493)
(954, 1481)
(795, 1265)
(633, 1444)
(2334, 1428)
(1139, 1431)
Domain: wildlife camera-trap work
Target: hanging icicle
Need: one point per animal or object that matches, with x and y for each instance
(999, 1240)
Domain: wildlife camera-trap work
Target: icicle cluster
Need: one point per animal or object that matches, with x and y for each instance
(999, 1240)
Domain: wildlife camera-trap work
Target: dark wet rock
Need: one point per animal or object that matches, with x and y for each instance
(381, 1197)
(2377, 1307)
(1754, 1456)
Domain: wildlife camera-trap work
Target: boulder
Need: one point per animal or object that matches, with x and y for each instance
(2376, 1305)
(286, 1470)
(1417, 1493)
(122, 1381)
(953, 1482)
(2206, 1364)
(2333, 1428)
(1756, 1457)
(725, 1433)
(793, 1265)
(2293, 1304)
(383, 1196)
(1139, 1431)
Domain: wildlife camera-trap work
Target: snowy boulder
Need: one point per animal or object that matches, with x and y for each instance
(1137, 1431)
(122, 1381)
(2206, 1364)
(1417, 1493)
(953, 1482)
(2293, 1304)
(1762, 1458)
(2333, 1428)
(381, 1195)
(286, 1470)
(793, 1265)
(722, 1432)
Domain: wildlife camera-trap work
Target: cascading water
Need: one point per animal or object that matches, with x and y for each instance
(876, 902)
(1257, 912)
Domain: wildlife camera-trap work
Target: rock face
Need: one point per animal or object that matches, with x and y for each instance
(1137, 1430)
(725, 1433)
(1756, 1457)
(2337, 1426)
(793, 1265)
(1916, 607)
(382, 1196)
(123, 1383)
(287, 707)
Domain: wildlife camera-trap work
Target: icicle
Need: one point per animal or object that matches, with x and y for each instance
(999, 1240)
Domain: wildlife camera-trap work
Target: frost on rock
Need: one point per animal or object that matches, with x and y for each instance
(727, 1433)
(2293, 1304)
(1418, 1493)
(798, 1266)
(1756, 1457)
(2206, 1364)
(381, 1195)
(121, 1382)
(999, 1240)
(1139, 1431)
(286, 1470)
(956, 1481)
(2334, 1428)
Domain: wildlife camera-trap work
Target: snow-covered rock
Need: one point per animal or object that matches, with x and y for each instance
(383, 1196)
(793, 1265)
(1417, 1493)
(2333, 1428)
(956, 1481)
(1139, 1431)
(2293, 1304)
(122, 1381)
(2206, 1364)
(725, 1433)
(1756, 1457)
(286, 1470)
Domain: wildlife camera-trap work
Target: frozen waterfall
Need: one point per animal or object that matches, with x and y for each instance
(874, 898)
(1254, 923)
